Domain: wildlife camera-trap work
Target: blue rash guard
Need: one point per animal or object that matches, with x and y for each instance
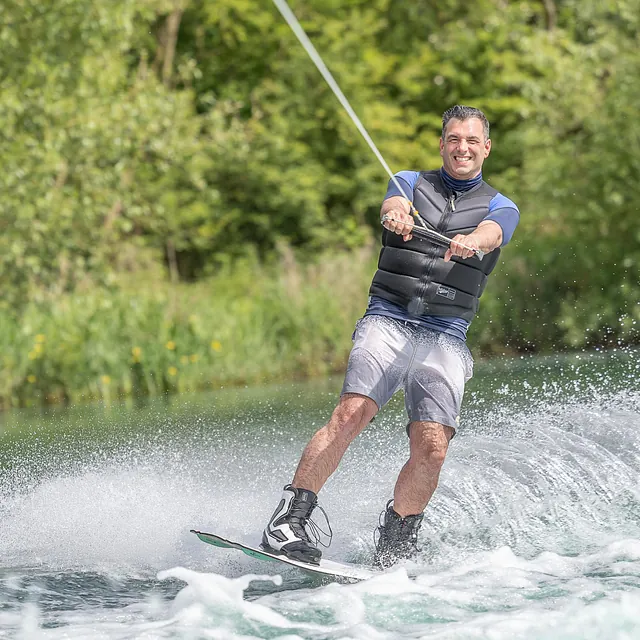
(501, 210)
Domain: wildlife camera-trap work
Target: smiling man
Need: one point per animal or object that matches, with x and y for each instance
(412, 337)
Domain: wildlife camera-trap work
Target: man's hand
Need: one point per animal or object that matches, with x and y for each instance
(399, 210)
(456, 247)
(485, 238)
(399, 222)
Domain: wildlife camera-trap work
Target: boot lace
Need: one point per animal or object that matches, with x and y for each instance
(408, 527)
(311, 531)
(381, 520)
(317, 531)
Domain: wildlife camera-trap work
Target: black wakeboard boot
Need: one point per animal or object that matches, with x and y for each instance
(397, 537)
(286, 534)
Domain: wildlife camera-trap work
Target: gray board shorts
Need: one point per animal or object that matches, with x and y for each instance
(432, 368)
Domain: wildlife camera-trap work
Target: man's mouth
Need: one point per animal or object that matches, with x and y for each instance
(462, 158)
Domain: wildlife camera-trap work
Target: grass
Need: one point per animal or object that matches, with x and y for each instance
(250, 324)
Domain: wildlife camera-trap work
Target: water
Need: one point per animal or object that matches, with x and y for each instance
(534, 531)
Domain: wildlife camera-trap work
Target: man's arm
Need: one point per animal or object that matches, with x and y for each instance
(486, 238)
(506, 214)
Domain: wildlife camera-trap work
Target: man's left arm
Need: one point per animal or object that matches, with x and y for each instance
(494, 231)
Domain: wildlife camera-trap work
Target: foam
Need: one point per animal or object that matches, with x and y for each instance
(533, 532)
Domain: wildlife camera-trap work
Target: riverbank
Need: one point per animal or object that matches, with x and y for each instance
(248, 324)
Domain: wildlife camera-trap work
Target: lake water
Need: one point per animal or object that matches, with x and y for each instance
(534, 531)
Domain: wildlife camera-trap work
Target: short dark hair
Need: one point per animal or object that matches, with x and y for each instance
(460, 112)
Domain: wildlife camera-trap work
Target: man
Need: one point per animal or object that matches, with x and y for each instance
(422, 300)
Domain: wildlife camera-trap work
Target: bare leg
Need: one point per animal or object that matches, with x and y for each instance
(325, 450)
(418, 479)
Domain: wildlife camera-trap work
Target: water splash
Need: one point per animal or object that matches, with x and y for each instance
(534, 530)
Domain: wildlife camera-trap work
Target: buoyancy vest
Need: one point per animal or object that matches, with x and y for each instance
(414, 273)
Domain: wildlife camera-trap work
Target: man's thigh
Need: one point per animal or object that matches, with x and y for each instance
(436, 380)
(379, 359)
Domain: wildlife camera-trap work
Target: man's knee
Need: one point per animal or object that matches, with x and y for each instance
(429, 441)
(353, 413)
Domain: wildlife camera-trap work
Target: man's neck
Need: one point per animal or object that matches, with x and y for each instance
(454, 184)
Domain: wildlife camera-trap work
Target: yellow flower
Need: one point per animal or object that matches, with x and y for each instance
(216, 346)
(136, 352)
(172, 371)
(171, 345)
(194, 358)
(184, 360)
(40, 338)
(105, 380)
(31, 379)
(37, 347)
(33, 355)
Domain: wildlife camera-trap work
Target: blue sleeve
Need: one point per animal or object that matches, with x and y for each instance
(506, 214)
(407, 180)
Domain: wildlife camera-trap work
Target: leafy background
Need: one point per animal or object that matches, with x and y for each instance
(174, 159)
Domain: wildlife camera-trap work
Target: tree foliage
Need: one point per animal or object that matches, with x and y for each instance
(186, 133)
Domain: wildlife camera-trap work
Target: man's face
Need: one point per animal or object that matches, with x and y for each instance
(463, 148)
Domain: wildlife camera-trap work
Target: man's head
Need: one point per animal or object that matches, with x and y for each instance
(465, 142)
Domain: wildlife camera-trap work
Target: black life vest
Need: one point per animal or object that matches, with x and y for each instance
(415, 275)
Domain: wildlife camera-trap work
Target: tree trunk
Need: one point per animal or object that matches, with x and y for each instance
(172, 260)
(552, 14)
(170, 40)
(167, 41)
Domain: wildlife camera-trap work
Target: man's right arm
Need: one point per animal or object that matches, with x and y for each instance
(399, 218)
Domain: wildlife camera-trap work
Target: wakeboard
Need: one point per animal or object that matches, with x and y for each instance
(327, 568)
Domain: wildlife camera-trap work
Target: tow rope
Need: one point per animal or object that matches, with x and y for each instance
(419, 223)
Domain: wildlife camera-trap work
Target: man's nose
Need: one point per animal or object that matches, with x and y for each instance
(462, 145)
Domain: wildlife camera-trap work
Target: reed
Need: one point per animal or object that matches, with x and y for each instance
(253, 323)
(248, 324)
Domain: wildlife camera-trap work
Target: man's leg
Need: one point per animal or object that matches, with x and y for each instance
(418, 479)
(434, 387)
(325, 450)
(375, 371)
(286, 532)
